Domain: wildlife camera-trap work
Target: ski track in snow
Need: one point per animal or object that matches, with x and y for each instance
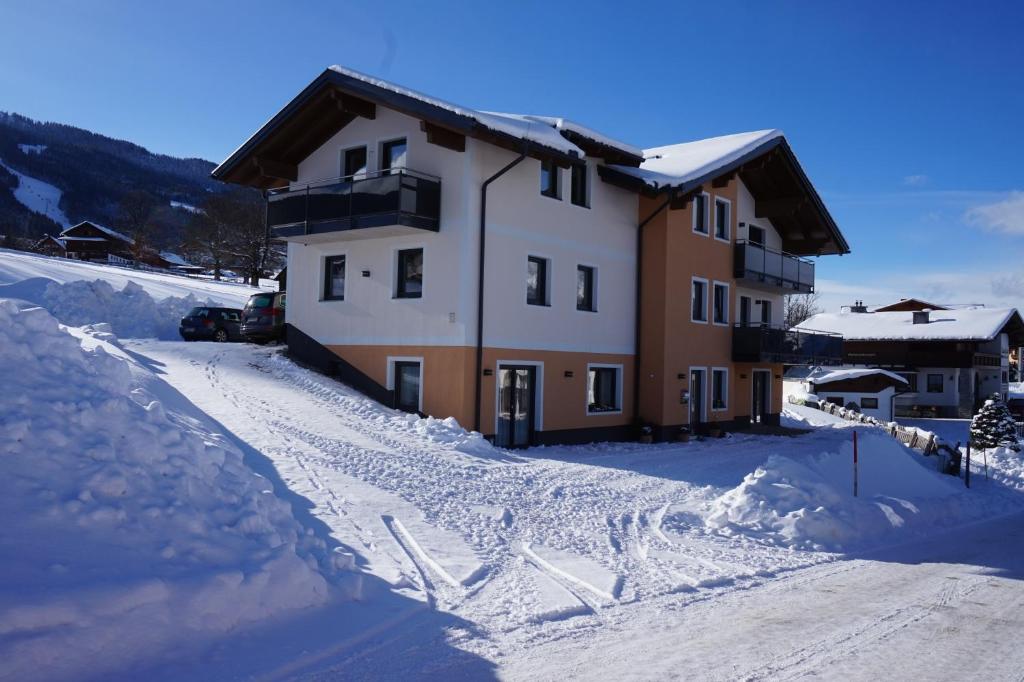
(541, 548)
(38, 196)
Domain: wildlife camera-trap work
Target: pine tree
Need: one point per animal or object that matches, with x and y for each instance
(994, 426)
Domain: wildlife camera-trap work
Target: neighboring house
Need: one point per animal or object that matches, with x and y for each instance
(51, 246)
(952, 359)
(94, 242)
(174, 262)
(907, 304)
(485, 266)
(871, 391)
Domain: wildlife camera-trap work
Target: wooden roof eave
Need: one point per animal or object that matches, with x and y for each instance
(245, 166)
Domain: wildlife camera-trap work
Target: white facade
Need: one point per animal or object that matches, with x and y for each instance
(883, 399)
(745, 217)
(521, 222)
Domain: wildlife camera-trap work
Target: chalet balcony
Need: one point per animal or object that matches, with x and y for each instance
(764, 343)
(759, 267)
(397, 201)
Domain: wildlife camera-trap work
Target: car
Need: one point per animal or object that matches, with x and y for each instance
(263, 317)
(212, 324)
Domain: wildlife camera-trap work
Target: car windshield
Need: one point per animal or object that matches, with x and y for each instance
(198, 312)
(261, 301)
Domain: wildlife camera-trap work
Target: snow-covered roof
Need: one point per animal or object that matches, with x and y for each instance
(173, 258)
(964, 324)
(113, 233)
(565, 125)
(676, 164)
(829, 375)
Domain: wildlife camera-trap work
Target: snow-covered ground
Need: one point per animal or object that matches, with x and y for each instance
(36, 195)
(744, 557)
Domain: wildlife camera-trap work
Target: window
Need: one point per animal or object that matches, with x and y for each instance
(935, 383)
(869, 403)
(229, 316)
(698, 301)
(723, 228)
(911, 378)
(719, 389)
(407, 386)
(721, 303)
(549, 179)
(334, 278)
(410, 273)
(755, 235)
(355, 163)
(585, 288)
(578, 190)
(835, 400)
(536, 281)
(392, 157)
(603, 389)
(700, 214)
(766, 313)
(744, 311)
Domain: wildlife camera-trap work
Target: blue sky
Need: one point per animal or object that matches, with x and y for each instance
(907, 116)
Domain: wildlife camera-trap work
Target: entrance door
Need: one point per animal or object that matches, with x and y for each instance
(407, 386)
(760, 401)
(516, 401)
(766, 313)
(697, 390)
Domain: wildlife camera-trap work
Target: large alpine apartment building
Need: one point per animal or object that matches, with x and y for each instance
(532, 277)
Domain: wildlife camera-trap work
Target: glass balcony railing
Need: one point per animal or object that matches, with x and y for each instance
(759, 265)
(764, 343)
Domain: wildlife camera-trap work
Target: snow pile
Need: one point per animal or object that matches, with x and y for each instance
(1004, 465)
(128, 530)
(808, 503)
(449, 432)
(131, 312)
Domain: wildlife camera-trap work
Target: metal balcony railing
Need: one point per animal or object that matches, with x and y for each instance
(764, 343)
(391, 197)
(758, 264)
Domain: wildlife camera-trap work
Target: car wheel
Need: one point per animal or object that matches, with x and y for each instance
(220, 336)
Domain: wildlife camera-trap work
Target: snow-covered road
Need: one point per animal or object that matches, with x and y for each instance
(572, 561)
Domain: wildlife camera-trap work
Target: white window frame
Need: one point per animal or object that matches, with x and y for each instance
(704, 398)
(323, 277)
(728, 219)
(618, 389)
(707, 290)
(711, 307)
(594, 289)
(538, 396)
(394, 271)
(707, 216)
(392, 359)
(725, 389)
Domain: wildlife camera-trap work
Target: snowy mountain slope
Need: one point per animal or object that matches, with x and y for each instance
(38, 196)
(17, 266)
(130, 526)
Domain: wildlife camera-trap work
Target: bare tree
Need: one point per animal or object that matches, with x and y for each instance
(250, 245)
(800, 307)
(135, 214)
(208, 236)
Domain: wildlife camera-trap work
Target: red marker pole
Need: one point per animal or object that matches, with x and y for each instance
(855, 464)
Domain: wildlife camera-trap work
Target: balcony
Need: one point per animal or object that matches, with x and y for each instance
(762, 268)
(387, 199)
(763, 343)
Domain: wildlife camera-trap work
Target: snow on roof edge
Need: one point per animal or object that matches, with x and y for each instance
(565, 124)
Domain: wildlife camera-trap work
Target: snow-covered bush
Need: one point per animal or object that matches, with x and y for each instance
(125, 528)
(994, 426)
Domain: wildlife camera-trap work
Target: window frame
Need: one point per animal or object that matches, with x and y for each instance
(764, 235)
(582, 171)
(694, 280)
(325, 289)
(385, 146)
(928, 382)
(399, 279)
(912, 381)
(715, 286)
(865, 406)
(394, 361)
(724, 372)
(739, 310)
(543, 281)
(706, 201)
(554, 191)
(617, 377)
(366, 162)
(722, 201)
(592, 270)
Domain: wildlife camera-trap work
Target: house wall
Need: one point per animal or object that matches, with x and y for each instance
(948, 398)
(885, 399)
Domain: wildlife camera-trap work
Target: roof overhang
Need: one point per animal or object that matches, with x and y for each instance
(782, 193)
(1014, 329)
(334, 99)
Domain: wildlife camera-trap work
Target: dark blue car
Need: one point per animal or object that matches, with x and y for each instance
(211, 324)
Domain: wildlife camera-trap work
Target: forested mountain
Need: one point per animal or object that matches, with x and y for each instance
(52, 173)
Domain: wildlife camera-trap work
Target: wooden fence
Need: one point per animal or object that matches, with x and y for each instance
(910, 437)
